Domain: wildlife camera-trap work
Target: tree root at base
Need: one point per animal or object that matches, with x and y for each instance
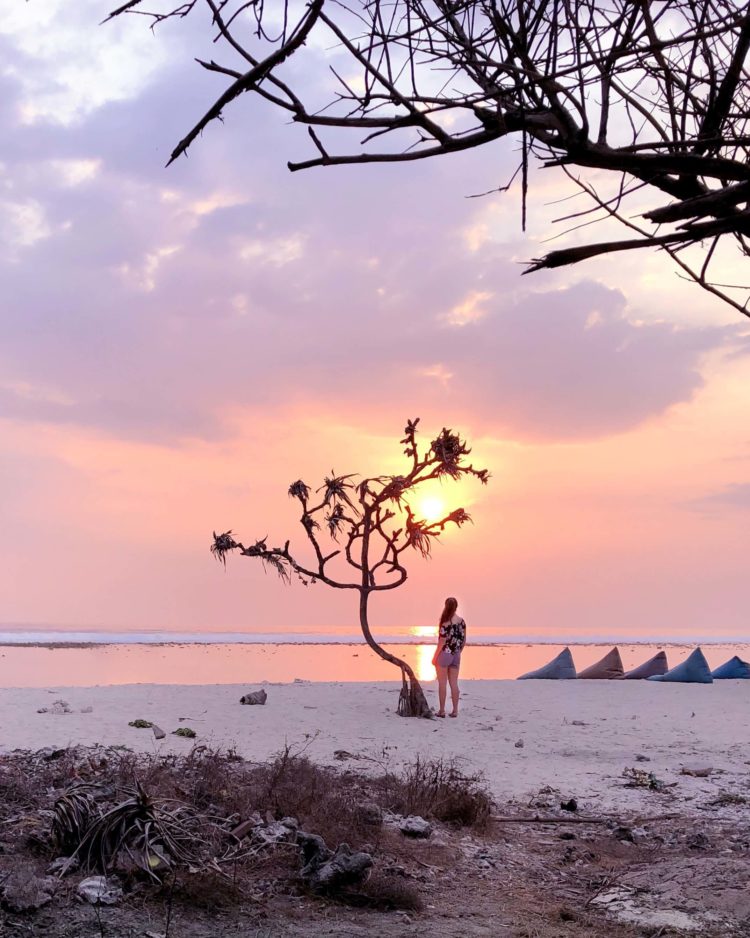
(412, 701)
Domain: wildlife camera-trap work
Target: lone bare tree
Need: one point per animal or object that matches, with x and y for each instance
(642, 97)
(372, 525)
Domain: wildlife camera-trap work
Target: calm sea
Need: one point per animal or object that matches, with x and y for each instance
(50, 658)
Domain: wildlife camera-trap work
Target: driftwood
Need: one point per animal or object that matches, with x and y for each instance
(629, 100)
(550, 820)
(501, 819)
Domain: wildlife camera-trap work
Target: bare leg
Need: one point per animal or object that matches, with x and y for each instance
(455, 694)
(442, 676)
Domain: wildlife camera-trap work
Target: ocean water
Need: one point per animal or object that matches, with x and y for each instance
(395, 635)
(53, 658)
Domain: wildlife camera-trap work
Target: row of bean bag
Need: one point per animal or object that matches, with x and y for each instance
(694, 670)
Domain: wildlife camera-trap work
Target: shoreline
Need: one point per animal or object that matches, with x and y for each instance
(742, 643)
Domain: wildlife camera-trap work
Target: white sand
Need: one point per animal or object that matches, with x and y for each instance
(674, 725)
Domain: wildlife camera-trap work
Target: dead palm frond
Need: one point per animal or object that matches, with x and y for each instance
(449, 449)
(458, 517)
(335, 519)
(72, 815)
(221, 546)
(418, 535)
(271, 558)
(395, 488)
(334, 488)
(299, 490)
(154, 834)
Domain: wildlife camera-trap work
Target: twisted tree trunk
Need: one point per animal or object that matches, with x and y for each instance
(412, 701)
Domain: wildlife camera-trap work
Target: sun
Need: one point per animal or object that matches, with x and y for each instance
(431, 508)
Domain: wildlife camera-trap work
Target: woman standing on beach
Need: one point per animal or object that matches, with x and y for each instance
(447, 660)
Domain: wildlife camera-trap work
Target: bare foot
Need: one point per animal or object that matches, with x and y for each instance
(454, 714)
(440, 713)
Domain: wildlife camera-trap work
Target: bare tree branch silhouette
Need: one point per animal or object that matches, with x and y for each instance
(370, 527)
(650, 96)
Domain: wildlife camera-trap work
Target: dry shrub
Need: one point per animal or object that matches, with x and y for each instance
(324, 801)
(214, 777)
(25, 777)
(387, 891)
(17, 788)
(438, 788)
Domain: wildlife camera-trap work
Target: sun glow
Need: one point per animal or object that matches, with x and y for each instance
(431, 508)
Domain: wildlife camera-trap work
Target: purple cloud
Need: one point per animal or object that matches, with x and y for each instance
(147, 302)
(735, 497)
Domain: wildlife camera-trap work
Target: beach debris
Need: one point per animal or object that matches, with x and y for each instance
(545, 797)
(185, 732)
(698, 841)
(578, 723)
(697, 771)
(726, 798)
(51, 755)
(158, 732)
(570, 805)
(58, 707)
(342, 755)
(99, 890)
(369, 813)
(245, 827)
(640, 778)
(24, 891)
(276, 832)
(519, 744)
(415, 826)
(141, 724)
(328, 871)
(255, 698)
(62, 865)
(536, 819)
(625, 904)
(641, 758)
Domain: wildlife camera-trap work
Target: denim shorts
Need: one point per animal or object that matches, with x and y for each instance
(448, 659)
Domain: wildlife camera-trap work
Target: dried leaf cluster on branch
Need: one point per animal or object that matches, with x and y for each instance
(372, 527)
(653, 96)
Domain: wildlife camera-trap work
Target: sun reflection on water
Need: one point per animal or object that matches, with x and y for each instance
(422, 631)
(424, 667)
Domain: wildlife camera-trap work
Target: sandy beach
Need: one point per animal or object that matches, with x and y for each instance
(575, 736)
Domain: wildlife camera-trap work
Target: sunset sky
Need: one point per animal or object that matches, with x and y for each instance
(178, 345)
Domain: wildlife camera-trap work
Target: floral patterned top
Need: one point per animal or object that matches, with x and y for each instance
(452, 635)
